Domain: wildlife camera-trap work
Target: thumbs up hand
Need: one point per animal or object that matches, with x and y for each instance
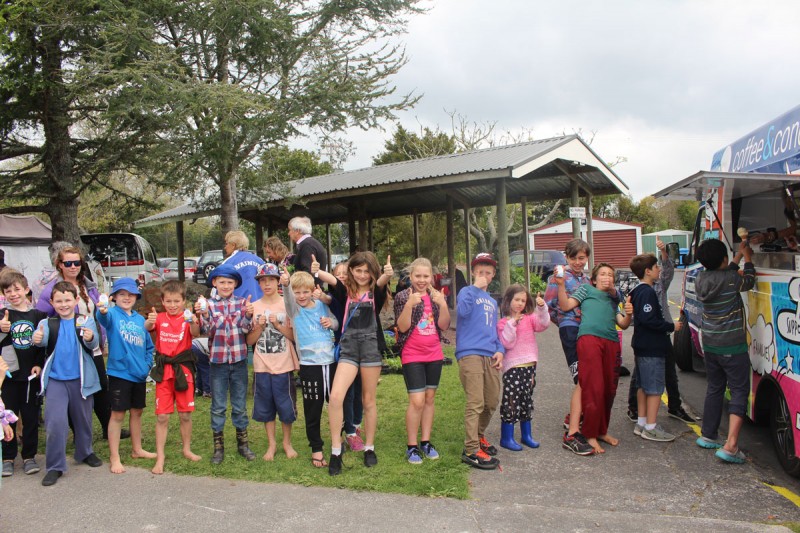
(314, 265)
(38, 335)
(387, 268)
(539, 300)
(5, 323)
(628, 306)
(248, 307)
(152, 315)
(284, 277)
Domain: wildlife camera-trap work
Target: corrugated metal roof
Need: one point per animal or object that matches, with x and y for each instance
(535, 169)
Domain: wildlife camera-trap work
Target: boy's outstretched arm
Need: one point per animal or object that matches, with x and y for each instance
(624, 321)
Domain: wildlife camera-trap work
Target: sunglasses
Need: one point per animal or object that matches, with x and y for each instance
(71, 263)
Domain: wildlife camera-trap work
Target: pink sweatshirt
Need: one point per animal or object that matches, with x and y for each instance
(519, 339)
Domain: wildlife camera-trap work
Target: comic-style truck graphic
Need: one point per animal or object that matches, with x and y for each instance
(753, 191)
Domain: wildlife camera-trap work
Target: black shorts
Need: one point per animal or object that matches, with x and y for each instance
(125, 395)
(422, 376)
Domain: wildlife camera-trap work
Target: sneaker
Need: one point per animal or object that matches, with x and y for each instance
(576, 443)
(335, 465)
(487, 448)
(681, 414)
(354, 442)
(93, 461)
(51, 477)
(739, 457)
(29, 466)
(657, 434)
(413, 456)
(8, 468)
(637, 430)
(480, 460)
(430, 452)
(370, 459)
(708, 444)
(633, 416)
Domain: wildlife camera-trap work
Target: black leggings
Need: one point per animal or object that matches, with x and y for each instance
(316, 382)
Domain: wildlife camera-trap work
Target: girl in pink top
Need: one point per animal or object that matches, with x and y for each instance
(421, 314)
(516, 331)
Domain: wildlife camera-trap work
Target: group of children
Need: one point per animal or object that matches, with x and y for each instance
(291, 328)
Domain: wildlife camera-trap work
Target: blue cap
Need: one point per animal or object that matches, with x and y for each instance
(225, 271)
(126, 284)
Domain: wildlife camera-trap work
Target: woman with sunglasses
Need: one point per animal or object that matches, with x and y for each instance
(69, 265)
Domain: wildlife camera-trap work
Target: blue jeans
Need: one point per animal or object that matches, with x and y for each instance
(202, 383)
(229, 377)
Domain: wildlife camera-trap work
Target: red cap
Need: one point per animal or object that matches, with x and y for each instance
(485, 258)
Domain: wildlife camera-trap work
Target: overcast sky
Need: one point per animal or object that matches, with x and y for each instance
(663, 83)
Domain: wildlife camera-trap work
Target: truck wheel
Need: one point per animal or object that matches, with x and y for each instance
(683, 347)
(782, 431)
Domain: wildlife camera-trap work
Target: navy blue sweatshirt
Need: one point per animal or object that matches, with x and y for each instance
(650, 330)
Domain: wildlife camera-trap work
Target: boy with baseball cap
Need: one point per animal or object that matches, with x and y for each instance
(480, 356)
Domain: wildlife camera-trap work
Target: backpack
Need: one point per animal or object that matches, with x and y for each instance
(54, 323)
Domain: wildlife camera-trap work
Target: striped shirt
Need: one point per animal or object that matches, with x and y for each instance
(723, 311)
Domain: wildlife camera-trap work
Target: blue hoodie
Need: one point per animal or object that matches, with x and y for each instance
(476, 324)
(130, 347)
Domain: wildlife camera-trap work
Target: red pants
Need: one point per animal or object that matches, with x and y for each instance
(596, 361)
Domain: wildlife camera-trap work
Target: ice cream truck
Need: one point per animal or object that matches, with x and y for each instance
(752, 192)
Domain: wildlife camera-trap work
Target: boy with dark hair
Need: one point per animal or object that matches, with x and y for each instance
(25, 360)
(577, 252)
(227, 321)
(174, 368)
(650, 347)
(724, 342)
(480, 357)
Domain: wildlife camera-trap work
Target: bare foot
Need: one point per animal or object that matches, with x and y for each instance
(290, 453)
(143, 454)
(608, 439)
(596, 445)
(159, 467)
(191, 456)
(116, 467)
(270, 455)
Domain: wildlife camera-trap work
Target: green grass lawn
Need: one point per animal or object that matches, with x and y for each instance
(447, 477)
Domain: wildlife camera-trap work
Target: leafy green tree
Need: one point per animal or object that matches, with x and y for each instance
(405, 145)
(255, 73)
(70, 85)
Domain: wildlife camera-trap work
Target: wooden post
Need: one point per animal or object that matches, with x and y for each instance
(589, 231)
(504, 275)
(351, 230)
(328, 243)
(370, 239)
(527, 247)
(179, 235)
(259, 237)
(467, 251)
(575, 202)
(451, 254)
(415, 223)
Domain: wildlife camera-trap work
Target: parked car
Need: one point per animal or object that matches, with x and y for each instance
(123, 255)
(170, 271)
(164, 261)
(207, 262)
(541, 262)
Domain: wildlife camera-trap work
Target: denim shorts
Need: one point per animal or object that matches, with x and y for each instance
(650, 374)
(360, 348)
(422, 376)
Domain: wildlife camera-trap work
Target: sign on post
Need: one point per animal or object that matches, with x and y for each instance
(577, 212)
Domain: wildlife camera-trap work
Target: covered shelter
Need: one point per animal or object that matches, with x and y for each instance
(548, 169)
(25, 240)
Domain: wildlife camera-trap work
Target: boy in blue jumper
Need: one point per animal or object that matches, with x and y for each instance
(651, 344)
(480, 356)
(130, 356)
(69, 380)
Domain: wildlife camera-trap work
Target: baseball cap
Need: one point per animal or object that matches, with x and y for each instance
(485, 258)
(267, 269)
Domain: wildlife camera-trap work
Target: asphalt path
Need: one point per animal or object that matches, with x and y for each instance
(636, 486)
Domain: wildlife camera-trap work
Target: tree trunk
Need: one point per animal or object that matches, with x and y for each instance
(57, 161)
(230, 209)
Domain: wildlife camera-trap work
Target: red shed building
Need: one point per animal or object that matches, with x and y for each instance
(615, 242)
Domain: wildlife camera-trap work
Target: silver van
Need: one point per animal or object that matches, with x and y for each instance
(123, 255)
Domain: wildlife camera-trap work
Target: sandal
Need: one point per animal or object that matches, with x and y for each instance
(319, 462)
